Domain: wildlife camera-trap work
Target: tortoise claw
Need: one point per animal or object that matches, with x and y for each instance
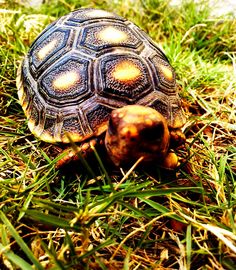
(170, 162)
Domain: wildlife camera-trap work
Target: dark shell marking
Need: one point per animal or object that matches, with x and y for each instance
(86, 64)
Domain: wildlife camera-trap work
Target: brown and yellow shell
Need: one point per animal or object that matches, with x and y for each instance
(86, 64)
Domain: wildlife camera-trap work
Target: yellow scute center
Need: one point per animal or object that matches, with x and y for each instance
(126, 71)
(99, 13)
(167, 72)
(112, 35)
(44, 51)
(66, 80)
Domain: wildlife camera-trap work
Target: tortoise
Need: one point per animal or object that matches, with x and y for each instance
(94, 77)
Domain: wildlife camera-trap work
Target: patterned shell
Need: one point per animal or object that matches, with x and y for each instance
(83, 66)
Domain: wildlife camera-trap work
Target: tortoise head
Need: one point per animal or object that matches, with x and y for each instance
(136, 131)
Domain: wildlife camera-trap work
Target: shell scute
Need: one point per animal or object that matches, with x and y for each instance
(71, 129)
(97, 117)
(108, 35)
(162, 106)
(48, 48)
(88, 14)
(65, 82)
(124, 77)
(165, 74)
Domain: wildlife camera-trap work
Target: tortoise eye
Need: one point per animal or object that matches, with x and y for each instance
(152, 133)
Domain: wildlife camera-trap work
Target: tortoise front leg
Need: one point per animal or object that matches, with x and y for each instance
(177, 138)
(75, 153)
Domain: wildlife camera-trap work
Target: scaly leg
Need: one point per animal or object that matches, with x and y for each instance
(177, 138)
(75, 152)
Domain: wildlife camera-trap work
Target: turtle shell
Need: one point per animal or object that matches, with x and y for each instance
(86, 64)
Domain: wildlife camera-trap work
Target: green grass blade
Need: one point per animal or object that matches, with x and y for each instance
(161, 192)
(25, 205)
(46, 204)
(52, 220)
(69, 242)
(11, 256)
(138, 213)
(20, 241)
(26, 159)
(144, 236)
(52, 255)
(127, 260)
(109, 180)
(108, 242)
(189, 246)
(162, 209)
(101, 264)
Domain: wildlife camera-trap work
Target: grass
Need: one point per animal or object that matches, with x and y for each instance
(137, 219)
